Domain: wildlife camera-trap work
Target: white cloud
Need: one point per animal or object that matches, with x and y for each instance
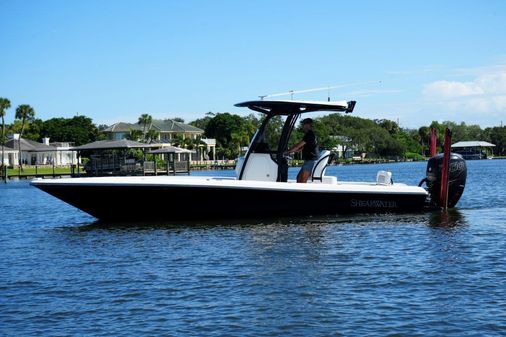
(451, 89)
(485, 93)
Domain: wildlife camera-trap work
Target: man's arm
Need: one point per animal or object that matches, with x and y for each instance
(297, 147)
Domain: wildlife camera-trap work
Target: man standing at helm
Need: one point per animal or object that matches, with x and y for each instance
(309, 147)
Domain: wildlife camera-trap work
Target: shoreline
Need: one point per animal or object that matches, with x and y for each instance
(65, 172)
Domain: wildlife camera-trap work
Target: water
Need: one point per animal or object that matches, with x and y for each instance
(62, 273)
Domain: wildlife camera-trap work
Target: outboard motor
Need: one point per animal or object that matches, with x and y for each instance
(456, 179)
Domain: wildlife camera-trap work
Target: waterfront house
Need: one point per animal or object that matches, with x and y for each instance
(10, 156)
(168, 130)
(343, 151)
(45, 153)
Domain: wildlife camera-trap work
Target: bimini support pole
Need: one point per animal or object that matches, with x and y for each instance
(443, 196)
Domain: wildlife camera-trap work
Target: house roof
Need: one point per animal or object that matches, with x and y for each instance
(160, 125)
(9, 149)
(473, 144)
(29, 145)
(171, 149)
(123, 127)
(112, 144)
(170, 125)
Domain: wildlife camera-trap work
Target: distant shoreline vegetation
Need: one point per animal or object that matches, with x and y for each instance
(379, 138)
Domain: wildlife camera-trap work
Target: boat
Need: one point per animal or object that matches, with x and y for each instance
(260, 187)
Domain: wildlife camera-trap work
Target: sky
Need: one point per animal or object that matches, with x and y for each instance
(408, 61)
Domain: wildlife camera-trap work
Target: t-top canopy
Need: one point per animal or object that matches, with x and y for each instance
(283, 107)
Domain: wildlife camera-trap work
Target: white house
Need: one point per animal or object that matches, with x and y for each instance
(10, 156)
(342, 153)
(167, 130)
(64, 155)
(35, 153)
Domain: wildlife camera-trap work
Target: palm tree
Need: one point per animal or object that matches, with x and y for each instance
(134, 135)
(239, 138)
(145, 120)
(423, 134)
(4, 105)
(177, 140)
(151, 135)
(26, 114)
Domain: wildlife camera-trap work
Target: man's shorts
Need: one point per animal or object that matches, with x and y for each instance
(308, 165)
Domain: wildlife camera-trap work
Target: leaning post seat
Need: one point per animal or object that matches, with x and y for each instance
(318, 172)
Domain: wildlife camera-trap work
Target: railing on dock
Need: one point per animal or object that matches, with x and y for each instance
(109, 167)
(166, 168)
(34, 171)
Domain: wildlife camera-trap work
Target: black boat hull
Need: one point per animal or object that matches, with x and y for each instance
(145, 202)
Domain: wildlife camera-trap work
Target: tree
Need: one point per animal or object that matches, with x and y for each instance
(239, 138)
(78, 130)
(151, 135)
(423, 137)
(440, 132)
(326, 136)
(380, 137)
(194, 144)
(221, 127)
(273, 131)
(463, 132)
(177, 140)
(134, 135)
(391, 126)
(201, 123)
(145, 120)
(33, 130)
(252, 123)
(5, 104)
(409, 137)
(498, 137)
(26, 114)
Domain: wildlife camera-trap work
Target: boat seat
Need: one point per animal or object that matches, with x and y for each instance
(320, 165)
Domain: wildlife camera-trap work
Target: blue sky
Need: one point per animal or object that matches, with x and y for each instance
(411, 61)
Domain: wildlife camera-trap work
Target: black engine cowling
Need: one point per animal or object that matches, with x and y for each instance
(456, 178)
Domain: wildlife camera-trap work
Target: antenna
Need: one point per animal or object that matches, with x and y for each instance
(338, 86)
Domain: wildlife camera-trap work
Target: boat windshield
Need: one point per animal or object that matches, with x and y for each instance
(269, 134)
(274, 135)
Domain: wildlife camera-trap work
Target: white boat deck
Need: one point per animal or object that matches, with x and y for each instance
(230, 182)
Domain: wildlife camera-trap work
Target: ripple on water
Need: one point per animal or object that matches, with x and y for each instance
(62, 273)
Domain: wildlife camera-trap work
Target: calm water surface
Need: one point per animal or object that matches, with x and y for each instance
(64, 274)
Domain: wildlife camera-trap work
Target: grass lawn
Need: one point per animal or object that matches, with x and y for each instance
(28, 171)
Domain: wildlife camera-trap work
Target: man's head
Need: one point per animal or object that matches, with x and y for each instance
(307, 124)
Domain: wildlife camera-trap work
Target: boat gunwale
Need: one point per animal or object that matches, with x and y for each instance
(211, 182)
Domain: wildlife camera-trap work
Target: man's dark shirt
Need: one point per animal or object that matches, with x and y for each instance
(310, 150)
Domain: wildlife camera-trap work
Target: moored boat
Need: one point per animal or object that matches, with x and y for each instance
(261, 186)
